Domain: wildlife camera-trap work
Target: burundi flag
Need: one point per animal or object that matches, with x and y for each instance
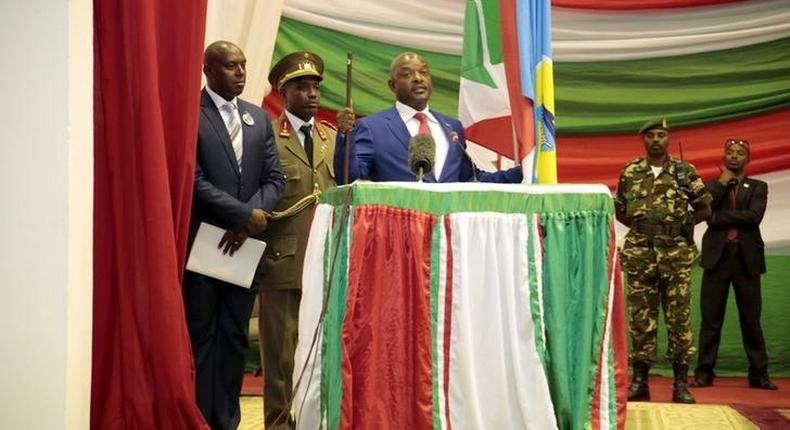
(506, 97)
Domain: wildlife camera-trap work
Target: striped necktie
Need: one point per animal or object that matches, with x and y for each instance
(234, 131)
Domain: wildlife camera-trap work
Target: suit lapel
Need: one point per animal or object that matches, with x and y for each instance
(292, 144)
(744, 193)
(319, 145)
(454, 151)
(398, 128)
(212, 113)
(247, 134)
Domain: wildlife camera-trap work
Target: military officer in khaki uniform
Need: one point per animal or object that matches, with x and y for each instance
(306, 147)
(654, 196)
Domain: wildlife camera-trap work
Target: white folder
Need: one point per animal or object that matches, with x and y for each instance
(206, 259)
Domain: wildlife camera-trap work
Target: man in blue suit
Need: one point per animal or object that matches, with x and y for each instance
(237, 179)
(380, 142)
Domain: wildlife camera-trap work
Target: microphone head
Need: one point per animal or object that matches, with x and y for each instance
(422, 151)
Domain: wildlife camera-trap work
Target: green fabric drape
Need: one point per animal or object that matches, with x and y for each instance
(591, 97)
(576, 254)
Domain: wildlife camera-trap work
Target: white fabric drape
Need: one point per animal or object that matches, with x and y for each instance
(252, 25)
(307, 396)
(497, 380)
(578, 35)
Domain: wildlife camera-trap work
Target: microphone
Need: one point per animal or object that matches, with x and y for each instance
(422, 150)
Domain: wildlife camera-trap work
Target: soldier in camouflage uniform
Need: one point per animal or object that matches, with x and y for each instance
(653, 198)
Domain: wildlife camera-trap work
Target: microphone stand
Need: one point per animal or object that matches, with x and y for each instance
(420, 174)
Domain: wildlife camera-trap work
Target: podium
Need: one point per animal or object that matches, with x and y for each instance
(461, 306)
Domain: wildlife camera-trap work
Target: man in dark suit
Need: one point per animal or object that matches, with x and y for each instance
(732, 253)
(380, 142)
(237, 180)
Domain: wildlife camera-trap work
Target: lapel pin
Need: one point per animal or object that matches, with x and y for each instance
(247, 118)
(745, 185)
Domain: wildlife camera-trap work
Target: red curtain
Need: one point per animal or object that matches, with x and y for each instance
(147, 61)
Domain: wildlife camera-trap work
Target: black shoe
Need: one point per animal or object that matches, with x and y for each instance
(764, 383)
(680, 391)
(701, 382)
(639, 390)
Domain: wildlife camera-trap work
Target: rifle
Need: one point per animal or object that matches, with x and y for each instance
(682, 175)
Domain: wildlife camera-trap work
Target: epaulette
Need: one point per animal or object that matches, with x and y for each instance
(285, 127)
(321, 131)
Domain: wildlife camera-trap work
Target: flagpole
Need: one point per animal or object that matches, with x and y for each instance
(516, 158)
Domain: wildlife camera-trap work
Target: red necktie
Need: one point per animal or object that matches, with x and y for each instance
(732, 233)
(424, 128)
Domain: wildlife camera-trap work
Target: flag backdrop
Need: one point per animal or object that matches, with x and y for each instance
(462, 311)
(715, 69)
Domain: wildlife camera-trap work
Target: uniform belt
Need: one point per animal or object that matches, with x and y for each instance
(658, 229)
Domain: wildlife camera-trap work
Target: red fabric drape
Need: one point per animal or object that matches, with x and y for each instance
(147, 61)
(635, 4)
(598, 159)
(389, 299)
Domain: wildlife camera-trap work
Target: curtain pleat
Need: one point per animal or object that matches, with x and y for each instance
(147, 61)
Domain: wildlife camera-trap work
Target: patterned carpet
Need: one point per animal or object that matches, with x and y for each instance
(251, 413)
(641, 416)
(659, 416)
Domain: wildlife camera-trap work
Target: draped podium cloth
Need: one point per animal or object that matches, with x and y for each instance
(462, 306)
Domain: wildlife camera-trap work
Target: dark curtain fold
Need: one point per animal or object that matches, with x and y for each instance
(147, 62)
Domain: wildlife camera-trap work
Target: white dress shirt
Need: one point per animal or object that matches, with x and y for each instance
(413, 125)
(220, 102)
(297, 123)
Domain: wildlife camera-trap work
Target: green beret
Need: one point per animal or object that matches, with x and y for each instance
(654, 123)
(294, 65)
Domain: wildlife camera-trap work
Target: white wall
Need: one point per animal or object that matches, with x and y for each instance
(46, 168)
(252, 25)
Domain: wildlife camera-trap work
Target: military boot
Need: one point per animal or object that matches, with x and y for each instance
(680, 391)
(639, 391)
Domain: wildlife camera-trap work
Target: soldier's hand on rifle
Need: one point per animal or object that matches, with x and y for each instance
(345, 120)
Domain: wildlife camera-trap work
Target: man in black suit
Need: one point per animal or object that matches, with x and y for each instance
(732, 253)
(237, 180)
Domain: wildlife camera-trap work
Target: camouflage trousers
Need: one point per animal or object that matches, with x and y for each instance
(658, 272)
